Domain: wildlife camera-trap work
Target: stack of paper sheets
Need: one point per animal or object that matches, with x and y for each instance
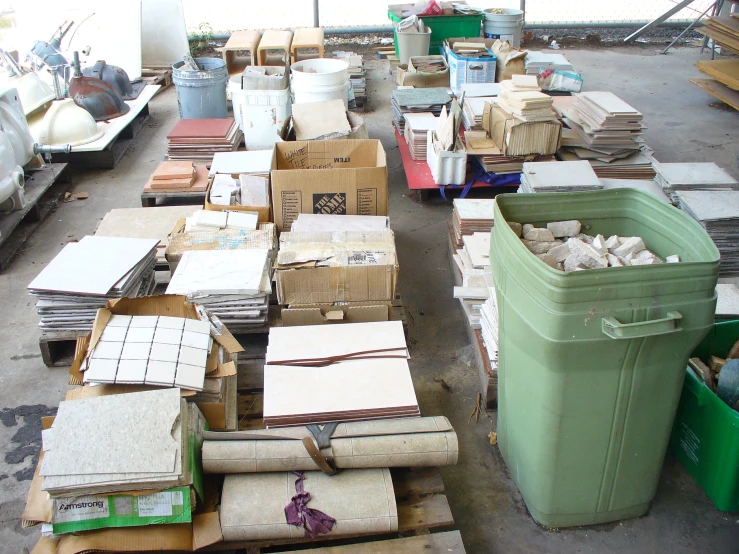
(122, 442)
(327, 222)
(536, 62)
(718, 213)
(673, 177)
(233, 285)
(417, 127)
(471, 215)
(559, 177)
(607, 132)
(151, 350)
(86, 274)
(199, 139)
(414, 100)
(343, 372)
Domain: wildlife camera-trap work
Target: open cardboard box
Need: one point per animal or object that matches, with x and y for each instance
(219, 415)
(342, 177)
(265, 212)
(409, 76)
(320, 314)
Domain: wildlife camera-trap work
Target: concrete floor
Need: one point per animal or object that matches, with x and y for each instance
(684, 125)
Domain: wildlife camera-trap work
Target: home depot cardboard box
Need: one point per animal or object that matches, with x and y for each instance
(330, 177)
(333, 267)
(219, 415)
(345, 312)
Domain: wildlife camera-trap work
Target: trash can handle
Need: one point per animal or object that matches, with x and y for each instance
(617, 330)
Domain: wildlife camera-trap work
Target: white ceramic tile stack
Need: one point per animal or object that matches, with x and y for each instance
(558, 177)
(673, 177)
(718, 212)
(489, 330)
(88, 273)
(471, 215)
(152, 350)
(416, 100)
(727, 305)
(232, 285)
(347, 372)
(473, 109)
(538, 61)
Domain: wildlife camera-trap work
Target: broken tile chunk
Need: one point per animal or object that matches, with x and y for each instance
(599, 245)
(540, 235)
(537, 247)
(586, 255)
(548, 259)
(630, 247)
(572, 264)
(565, 228)
(645, 257)
(560, 253)
(515, 227)
(612, 242)
(584, 237)
(526, 228)
(672, 259)
(614, 261)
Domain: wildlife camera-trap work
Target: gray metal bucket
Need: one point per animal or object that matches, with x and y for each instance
(201, 94)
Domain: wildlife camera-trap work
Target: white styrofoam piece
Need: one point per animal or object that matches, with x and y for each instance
(167, 336)
(242, 220)
(236, 163)
(193, 356)
(160, 372)
(141, 334)
(131, 371)
(93, 265)
(135, 351)
(143, 321)
(163, 33)
(107, 350)
(219, 272)
(164, 352)
(447, 168)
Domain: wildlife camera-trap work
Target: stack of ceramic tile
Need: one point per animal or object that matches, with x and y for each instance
(417, 127)
(413, 100)
(151, 350)
(473, 109)
(473, 260)
(521, 97)
(357, 76)
(471, 216)
(489, 330)
(119, 443)
(558, 177)
(240, 178)
(727, 303)
(348, 372)
(318, 223)
(674, 177)
(232, 285)
(179, 176)
(86, 274)
(536, 62)
(718, 213)
(199, 139)
(482, 147)
(607, 132)
(210, 221)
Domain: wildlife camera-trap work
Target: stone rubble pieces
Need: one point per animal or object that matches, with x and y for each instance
(562, 246)
(516, 227)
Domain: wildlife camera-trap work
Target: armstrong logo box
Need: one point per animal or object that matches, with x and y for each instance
(344, 177)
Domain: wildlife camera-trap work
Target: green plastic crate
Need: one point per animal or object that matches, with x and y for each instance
(591, 363)
(705, 437)
(444, 27)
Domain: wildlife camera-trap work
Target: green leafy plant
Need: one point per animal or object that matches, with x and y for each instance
(203, 36)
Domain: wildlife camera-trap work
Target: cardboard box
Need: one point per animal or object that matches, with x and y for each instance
(321, 314)
(410, 76)
(332, 177)
(265, 212)
(326, 268)
(469, 68)
(356, 122)
(219, 415)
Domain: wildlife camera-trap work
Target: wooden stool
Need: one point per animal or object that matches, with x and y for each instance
(274, 40)
(307, 37)
(240, 40)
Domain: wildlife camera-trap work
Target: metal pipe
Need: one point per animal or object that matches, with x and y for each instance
(669, 13)
(528, 26)
(678, 37)
(316, 20)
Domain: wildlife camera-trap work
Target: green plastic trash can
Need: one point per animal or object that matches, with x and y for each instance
(705, 437)
(591, 363)
(442, 26)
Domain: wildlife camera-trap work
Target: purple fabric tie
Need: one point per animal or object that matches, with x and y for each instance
(297, 513)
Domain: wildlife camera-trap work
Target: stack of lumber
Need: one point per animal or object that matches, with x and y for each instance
(725, 82)
(200, 139)
(724, 30)
(607, 132)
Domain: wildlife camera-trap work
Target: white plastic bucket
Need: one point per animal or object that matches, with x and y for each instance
(260, 114)
(413, 44)
(505, 26)
(319, 72)
(322, 94)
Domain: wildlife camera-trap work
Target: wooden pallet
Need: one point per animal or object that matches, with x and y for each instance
(449, 542)
(109, 156)
(44, 189)
(149, 199)
(58, 348)
(161, 77)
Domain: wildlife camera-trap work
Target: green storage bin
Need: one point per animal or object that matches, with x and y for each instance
(443, 27)
(705, 437)
(591, 363)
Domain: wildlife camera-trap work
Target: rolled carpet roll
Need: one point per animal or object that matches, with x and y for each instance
(407, 442)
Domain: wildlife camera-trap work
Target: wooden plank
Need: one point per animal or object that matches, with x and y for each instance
(410, 483)
(57, 349)
(725, 40)
(426, 513)
(488, 385)
(724, 71)
(436, 543)
(43, 191)
(722, 92)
